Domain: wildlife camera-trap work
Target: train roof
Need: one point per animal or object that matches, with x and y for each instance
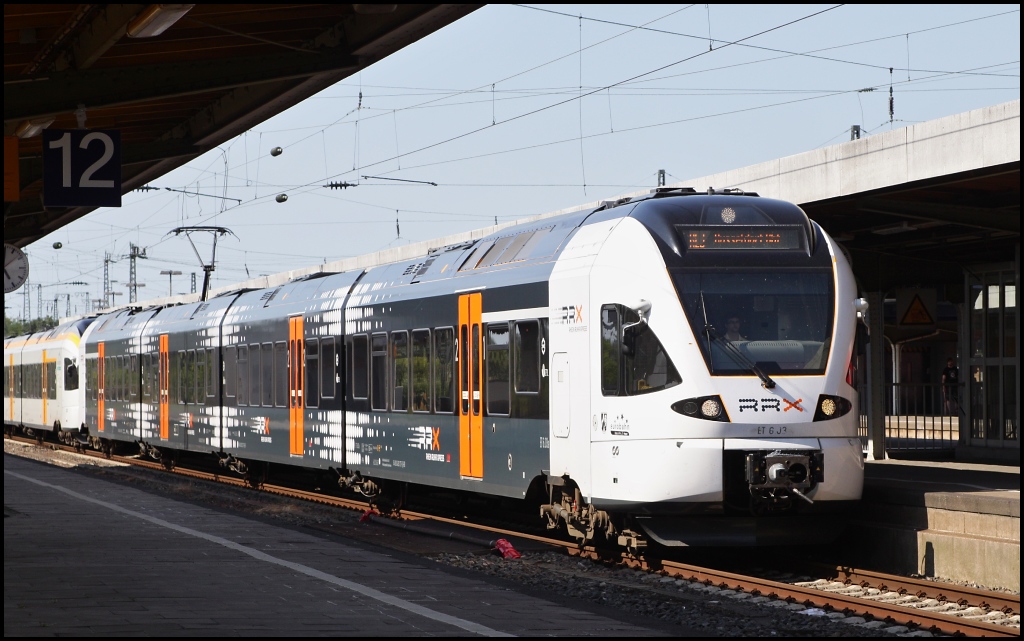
(526, 241)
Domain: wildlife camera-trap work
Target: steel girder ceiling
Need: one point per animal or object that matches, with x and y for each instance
(218, 71)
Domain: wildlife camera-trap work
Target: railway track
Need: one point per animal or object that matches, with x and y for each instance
(892, 600)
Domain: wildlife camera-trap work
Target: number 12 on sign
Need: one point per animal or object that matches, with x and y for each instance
(81, 168)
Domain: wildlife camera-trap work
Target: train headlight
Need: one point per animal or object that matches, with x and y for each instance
(830, 407)
(708, 408)
(711, 408)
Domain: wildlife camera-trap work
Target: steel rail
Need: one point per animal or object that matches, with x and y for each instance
(960, 594)
(831, 601)
(810, 597)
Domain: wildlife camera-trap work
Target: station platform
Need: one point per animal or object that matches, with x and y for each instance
(87, 556)
(953, 520)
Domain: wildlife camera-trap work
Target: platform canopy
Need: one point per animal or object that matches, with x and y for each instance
(175, 80)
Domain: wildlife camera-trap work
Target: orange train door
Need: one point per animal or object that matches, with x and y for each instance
(471, 430)
(296, 382)
(164, 387)
(101, 384)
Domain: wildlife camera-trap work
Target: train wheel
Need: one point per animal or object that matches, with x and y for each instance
(256, 474)
(169, 459)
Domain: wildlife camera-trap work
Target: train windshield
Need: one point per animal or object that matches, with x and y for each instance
(760, 321)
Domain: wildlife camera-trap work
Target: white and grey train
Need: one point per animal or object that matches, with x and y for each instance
(589, 362)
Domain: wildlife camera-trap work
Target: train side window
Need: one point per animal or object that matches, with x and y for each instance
(421, 370)
(400, 368)
(312, 373)
(476, 369)
(176, 364)
(379, 371)
(108, 376)
(243, 375)
(134, 380)
(110, 388)
(328, 366)
(610, 350)
(211, 373)
(267, 371)
(527, 357)
(230, 371)
(646, 366)
(147, 361)
(254, 375)
(70, 375)
(122, 378)
(51, 379)
(497, 369)
(200, 374)
(444, 370)
(360, 366)
(90, 378)
(191, 384)
(280, 374)
(154, 374)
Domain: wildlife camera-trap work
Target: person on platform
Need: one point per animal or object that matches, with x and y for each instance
(950, 389)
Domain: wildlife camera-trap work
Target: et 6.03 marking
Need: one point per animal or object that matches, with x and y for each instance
(771, 430)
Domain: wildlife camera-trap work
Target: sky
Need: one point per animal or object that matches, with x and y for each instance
(520, 110)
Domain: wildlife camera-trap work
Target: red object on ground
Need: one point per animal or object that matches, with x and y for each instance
(366, 516)
(506, 549)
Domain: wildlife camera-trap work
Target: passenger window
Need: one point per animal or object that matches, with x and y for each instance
(182, 377)
(312, 373)
(254, 375)
(527, 357)
(360, 366)
(267, 370)
(51, 380)
(133, 377)
(211, 373)
(147, 367)
(70, 375)
(280, 374)
(421, 370)
(444, 370)
(379, 362)
(243, 374)
(201, 373)
(230, 371)
(610, 351)
(400, 367)
(328, 366)
(497, 369)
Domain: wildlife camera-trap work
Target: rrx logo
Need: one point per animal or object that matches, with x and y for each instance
(572, 314)
(769, 404)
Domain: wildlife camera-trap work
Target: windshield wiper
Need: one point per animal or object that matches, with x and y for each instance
(766, 381)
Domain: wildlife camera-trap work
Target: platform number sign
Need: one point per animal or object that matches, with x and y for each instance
(81, 168)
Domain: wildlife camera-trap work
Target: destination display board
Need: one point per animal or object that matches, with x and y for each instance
(742, 236)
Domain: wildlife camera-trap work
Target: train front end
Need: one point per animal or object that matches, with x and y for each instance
(726, 411)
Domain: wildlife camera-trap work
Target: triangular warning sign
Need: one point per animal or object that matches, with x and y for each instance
(917, 313)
